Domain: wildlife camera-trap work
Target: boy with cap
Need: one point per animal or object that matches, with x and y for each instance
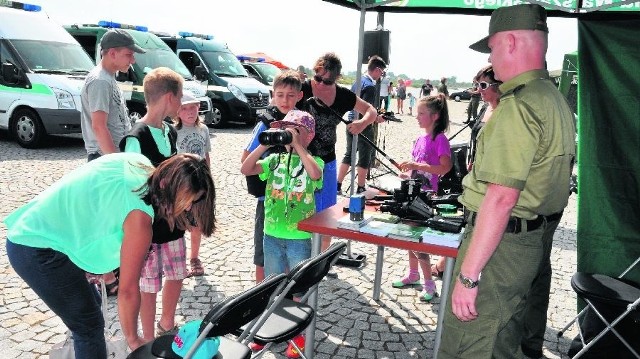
(104, 119)
(515, 198)
(104, 110)
(292, 178)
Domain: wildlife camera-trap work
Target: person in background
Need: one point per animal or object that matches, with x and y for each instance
(412, 103)
(515, 195)
(292, 178)
(58, 235)
(401, 95)
(193, 137)
(385, 93)
(474, 101)
(426, 88)
(286, 93)
(366, 153)
(431, 159)
(327, 103)
(104, 119)
(302, 73)
(442, 88)
(156, 139)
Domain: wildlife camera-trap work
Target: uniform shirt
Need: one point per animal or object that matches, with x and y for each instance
(288, 199)
(82, 214)
(194, 139)
(528, 145)
(101, 93)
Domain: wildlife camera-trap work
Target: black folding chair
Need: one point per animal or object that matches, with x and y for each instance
(603, 291)
(287, 318)
(224, 318)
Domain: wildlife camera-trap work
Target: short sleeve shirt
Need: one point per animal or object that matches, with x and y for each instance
(429, 150)
(290, 195)
(528, 145)
(194, 139)
(160, 136)
(101, 93)
(82, 214)
(323, 144)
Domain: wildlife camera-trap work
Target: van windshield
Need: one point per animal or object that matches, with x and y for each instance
(53, 57)
(224, 64)
(162, 58)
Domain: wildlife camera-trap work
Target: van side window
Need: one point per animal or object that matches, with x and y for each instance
(10, 72)
(190, 60)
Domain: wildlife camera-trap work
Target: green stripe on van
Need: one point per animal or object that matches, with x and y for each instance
(39, 89)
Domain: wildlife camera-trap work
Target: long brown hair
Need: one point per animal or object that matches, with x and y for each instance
(179, 182)
(437, 104)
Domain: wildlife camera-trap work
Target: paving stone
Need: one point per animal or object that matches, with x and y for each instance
(350, 323)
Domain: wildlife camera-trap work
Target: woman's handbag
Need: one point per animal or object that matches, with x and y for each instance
(117, 348)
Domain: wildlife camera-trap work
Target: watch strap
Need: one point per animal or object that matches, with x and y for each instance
(467, 282)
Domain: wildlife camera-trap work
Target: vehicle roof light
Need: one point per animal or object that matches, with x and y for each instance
(20, 5)
(117, 25)
(250, 58)
(191, 34)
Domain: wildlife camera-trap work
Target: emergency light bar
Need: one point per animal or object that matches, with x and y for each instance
(249, 58)
(20, 5)
(117, 25)
(191, 34)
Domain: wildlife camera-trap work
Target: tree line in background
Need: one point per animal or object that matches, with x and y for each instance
(349, 78)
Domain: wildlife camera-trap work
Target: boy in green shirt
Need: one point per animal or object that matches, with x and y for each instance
(292, 178)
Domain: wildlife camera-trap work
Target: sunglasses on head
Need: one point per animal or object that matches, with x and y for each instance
(485, 85)
(327, 82)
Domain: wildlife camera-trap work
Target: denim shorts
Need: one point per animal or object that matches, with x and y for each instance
(168, 259)
(280, 255)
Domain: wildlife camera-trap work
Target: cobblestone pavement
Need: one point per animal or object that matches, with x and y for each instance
(350, 323)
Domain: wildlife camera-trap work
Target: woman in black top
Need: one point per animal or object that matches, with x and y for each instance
(325, 100)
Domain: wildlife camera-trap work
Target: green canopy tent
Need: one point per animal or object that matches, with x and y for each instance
(608, 60)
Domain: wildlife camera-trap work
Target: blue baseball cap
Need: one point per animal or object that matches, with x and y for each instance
(187, 336)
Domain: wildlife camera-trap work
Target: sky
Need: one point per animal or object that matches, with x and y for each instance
(297, 32)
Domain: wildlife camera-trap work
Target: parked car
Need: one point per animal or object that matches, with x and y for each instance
(460, 95)
(262, 71)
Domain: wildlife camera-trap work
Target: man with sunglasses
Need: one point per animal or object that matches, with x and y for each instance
(366, 153)
(515, 194)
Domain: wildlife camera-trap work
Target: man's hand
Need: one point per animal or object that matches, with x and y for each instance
(463, 302)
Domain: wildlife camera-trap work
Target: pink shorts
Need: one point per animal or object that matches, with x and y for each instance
(168, 259)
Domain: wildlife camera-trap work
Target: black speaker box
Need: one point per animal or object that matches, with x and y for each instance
(376, 42)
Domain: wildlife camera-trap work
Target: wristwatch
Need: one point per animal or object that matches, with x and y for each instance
(467, 282)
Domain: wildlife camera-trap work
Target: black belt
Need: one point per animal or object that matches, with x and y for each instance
(515, 224)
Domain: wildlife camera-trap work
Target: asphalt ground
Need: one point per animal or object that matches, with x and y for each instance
(350, 323)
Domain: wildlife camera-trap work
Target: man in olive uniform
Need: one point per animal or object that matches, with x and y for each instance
(515, 193)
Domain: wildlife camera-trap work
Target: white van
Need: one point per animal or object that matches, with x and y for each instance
(43, 69)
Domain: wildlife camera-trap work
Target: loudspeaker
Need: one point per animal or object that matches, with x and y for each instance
(376, 42)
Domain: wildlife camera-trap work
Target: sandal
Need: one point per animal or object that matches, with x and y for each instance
(405, 282)
(197, 270)
(428, 292)
(436, 272)
(160, 331)
(112, 288)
